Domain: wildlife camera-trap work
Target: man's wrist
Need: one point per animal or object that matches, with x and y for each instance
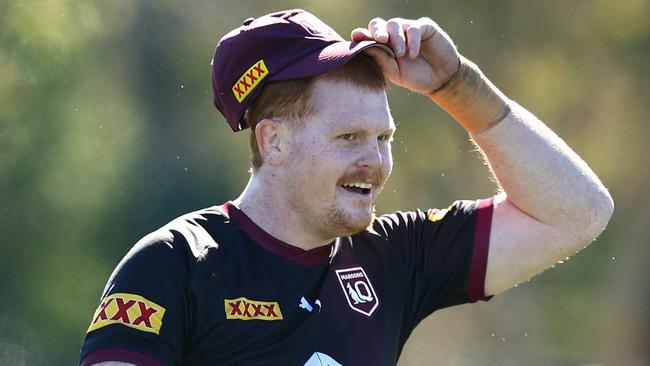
(469, 97)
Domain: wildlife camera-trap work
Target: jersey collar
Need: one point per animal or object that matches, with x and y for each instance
(273, 244)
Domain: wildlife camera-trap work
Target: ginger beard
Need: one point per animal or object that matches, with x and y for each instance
(348, 222)
(331, 208)
(338, 160)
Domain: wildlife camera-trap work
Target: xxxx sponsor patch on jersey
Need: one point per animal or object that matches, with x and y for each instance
(246, 309)
(131, 310)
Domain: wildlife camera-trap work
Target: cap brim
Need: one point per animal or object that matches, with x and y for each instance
(326, 59)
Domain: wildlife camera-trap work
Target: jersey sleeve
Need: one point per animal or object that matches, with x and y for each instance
(141, 316)
(443, 254)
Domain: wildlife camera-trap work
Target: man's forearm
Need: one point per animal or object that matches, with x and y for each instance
(541, 175)
(552, 203)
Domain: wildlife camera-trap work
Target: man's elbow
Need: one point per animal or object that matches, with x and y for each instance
(579, 230)
(599, 213)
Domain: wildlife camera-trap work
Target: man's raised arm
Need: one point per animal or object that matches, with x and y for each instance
(552, 204)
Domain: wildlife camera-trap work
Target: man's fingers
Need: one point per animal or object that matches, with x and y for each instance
(404, 36)
(387, 64)
(377, 28)
(413, 39)
(396, 36)
(360, 34)
(417, 32)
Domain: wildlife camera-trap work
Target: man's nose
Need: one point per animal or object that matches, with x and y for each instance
(371, 157)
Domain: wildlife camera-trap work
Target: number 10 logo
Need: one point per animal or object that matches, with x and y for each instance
(358, 290)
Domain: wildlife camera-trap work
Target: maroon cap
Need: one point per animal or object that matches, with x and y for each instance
(285, 45)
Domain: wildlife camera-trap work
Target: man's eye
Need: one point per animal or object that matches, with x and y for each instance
(348, 136)
(384, 137)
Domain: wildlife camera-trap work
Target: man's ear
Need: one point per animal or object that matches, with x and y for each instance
(269, 135)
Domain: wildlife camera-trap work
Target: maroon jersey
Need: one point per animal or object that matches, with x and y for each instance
(212, 288)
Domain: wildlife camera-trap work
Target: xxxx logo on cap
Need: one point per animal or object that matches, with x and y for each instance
(128, 309)
(245, 309)
(249, 80)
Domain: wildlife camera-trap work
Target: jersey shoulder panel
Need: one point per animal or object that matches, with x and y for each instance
(386, 225)
(199, 231)
(147, 301)
(389, 225)
(187, 238)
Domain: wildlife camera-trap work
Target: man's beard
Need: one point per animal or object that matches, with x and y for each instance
(339, 223)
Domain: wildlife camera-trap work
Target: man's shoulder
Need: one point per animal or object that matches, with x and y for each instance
(190, 236)
(201, 228)
(404, 221)
(383, 225)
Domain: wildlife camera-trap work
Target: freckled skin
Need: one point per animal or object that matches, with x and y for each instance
(347, 140)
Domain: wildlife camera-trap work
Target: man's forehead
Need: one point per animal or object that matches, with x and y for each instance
(345, 105)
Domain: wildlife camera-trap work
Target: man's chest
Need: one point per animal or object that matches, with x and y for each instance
(341, 311)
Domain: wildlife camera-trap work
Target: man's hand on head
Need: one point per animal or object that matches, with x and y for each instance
(427, 61)
(552, 203)
(425, 56)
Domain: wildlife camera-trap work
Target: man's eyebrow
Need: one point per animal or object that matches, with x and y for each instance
(390, 131)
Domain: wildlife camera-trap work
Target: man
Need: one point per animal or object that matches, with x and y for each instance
(298, 270)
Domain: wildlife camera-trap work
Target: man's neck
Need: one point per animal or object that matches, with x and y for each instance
(268, 209)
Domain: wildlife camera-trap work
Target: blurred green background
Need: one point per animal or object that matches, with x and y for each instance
(107, 131)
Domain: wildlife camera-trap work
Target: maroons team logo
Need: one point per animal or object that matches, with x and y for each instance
(358, 290)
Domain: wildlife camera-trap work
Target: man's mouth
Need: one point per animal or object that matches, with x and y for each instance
(358, 187)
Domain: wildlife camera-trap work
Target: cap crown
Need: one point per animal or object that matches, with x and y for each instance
(277, 46)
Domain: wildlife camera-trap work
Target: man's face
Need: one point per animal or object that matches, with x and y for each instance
(339, 159)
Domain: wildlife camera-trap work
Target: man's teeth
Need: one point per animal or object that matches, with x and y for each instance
(359, 185)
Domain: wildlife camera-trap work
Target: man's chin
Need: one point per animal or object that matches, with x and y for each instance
(354, 223)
